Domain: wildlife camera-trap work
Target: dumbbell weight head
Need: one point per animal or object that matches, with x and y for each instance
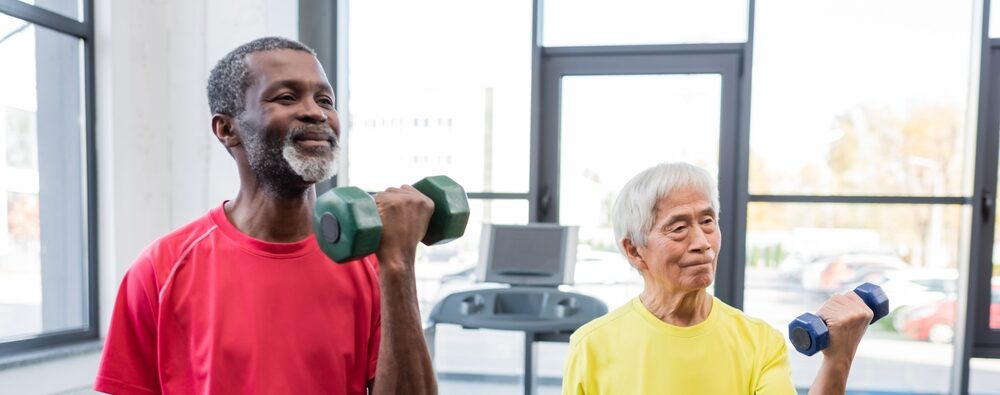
(451, 209)
(347, 224)
(808, 334)
(875, 298)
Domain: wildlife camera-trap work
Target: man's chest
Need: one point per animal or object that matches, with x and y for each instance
(242, 310)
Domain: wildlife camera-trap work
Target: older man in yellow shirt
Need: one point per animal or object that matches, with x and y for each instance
(675, 337)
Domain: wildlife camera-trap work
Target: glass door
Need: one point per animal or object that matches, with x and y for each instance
(616, 116)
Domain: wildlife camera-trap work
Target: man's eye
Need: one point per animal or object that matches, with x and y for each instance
(678, 229)
(286, 98)
(325, 101)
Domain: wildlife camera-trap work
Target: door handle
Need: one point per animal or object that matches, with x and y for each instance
(986, 209)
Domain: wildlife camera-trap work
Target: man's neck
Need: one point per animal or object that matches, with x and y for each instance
(267, 217)
(677, 308)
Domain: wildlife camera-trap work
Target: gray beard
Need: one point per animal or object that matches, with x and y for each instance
(280, 168)
(310, 168)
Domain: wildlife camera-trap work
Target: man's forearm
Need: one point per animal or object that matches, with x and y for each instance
(404, 363)
(831, 378)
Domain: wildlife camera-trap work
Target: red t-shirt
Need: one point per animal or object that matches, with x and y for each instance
(207, 309)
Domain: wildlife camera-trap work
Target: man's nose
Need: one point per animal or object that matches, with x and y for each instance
(699, 241)
(311, 112)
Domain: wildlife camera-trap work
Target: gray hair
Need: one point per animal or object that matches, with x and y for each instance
(635, 208)
(229, 79)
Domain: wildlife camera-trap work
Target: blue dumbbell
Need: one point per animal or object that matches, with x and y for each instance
(809, 334)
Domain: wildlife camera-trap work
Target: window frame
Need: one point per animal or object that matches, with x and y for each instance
(83, 30)
(974, 303)
(973, 336)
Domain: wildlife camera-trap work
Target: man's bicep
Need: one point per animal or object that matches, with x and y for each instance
(572, 383)
(776, 373)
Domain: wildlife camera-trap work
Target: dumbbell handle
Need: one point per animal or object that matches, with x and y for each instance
(810, 342)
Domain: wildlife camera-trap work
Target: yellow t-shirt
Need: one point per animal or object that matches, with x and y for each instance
(630, 351)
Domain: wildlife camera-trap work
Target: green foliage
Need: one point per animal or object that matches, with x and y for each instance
(767, 256)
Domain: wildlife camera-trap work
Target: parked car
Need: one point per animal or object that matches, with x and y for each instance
(834, 274)
(914, 287)
(935, 321)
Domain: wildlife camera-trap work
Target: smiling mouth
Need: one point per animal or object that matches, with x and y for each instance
(310, 143)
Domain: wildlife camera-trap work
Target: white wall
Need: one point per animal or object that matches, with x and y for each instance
(159, 166)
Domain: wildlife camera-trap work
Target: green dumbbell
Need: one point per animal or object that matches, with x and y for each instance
(348, 225)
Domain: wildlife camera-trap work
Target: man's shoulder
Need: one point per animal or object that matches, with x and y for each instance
(754, 326)
(168, 249)
(608, 324)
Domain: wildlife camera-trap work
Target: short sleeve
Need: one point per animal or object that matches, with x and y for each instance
(776, 373)
(128, 363)
(574, 371)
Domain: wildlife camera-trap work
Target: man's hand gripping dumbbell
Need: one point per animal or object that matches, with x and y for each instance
(809, 332)
(348, 224)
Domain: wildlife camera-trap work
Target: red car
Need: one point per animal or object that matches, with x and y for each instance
(935, 321)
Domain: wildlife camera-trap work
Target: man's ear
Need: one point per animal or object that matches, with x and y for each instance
(633, 254)
(224, 128)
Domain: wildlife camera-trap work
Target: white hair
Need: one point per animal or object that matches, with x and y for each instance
(635, 208)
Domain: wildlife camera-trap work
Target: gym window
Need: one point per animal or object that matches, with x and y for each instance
(47, 202)
(851, 142)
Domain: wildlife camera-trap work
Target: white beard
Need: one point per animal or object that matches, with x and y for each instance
(310, 168)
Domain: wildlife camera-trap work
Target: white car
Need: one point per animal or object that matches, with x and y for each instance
(919, 286)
